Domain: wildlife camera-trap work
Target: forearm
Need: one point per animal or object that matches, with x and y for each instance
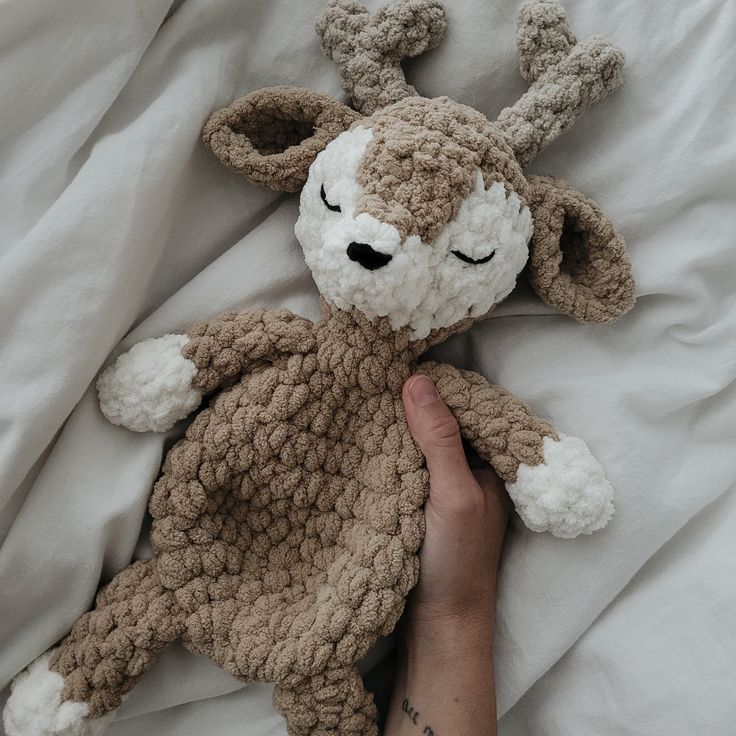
(445, 677)
(445, 680)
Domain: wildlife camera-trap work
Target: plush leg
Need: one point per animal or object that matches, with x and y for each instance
(334, 703)
(73, 690)
(554, 481)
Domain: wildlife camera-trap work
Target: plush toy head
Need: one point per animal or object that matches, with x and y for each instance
(418, 209)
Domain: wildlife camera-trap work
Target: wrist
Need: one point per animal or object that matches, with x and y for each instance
(448, 636)
(444, 677)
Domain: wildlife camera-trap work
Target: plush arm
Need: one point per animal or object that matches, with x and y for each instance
(224, 347)
(553, 480)
(160, 381)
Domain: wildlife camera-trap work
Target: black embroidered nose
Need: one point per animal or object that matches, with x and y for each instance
(367, 257)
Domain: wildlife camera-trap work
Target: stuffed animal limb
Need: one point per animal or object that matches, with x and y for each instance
(234, 342)
(334, 702)
(554, 481)
(161, 380)
(149, 388)
(74, 689)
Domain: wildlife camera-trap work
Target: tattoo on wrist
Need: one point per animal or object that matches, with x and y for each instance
(413, 715)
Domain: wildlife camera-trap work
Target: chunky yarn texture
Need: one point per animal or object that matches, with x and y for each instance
(287, 521)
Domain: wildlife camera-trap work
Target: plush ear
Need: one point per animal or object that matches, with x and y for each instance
(578, 262)
(271, 136)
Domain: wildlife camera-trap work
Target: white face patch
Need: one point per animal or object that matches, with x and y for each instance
(467, 269)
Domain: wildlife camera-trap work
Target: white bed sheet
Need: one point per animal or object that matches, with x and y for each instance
(113, 217)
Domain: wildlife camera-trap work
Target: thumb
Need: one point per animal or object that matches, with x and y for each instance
(435, 430)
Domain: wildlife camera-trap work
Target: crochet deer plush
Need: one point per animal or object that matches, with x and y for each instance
(286, 524)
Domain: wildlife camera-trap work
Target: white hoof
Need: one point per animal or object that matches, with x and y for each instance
(149, 388)
(35, 707)
(567, 494)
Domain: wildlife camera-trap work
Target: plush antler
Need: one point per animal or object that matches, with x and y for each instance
(566, 78)
(369, 48)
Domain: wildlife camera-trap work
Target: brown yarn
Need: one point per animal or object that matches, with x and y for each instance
(369, 48)
(567, 77)
(334, 702)
(273, 135)
(110, 647)
(287, 521)
(499, 426)
(422, 162)
(578, 263)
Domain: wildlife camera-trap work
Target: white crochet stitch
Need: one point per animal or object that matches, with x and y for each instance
(149, 388)
(424, 285)
(35, 706)
(567, 494)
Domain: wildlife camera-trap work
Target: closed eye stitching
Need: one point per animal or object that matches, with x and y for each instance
(468, 259)
(333, 207)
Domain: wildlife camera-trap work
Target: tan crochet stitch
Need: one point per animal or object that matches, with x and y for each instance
(273, 135)
(287, 522)
(566, 76)
(422, 160)
(578, 261)
(369, 49)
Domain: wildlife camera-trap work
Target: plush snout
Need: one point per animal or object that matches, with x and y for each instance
(367, 256)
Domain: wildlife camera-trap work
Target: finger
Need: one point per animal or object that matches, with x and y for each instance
(435, 430)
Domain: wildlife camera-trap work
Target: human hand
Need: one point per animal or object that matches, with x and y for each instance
(444, 681)
(466, 516)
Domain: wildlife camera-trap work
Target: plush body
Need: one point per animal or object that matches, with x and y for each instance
(287, 522)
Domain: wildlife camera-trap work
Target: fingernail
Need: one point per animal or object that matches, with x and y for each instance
(422, 391)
